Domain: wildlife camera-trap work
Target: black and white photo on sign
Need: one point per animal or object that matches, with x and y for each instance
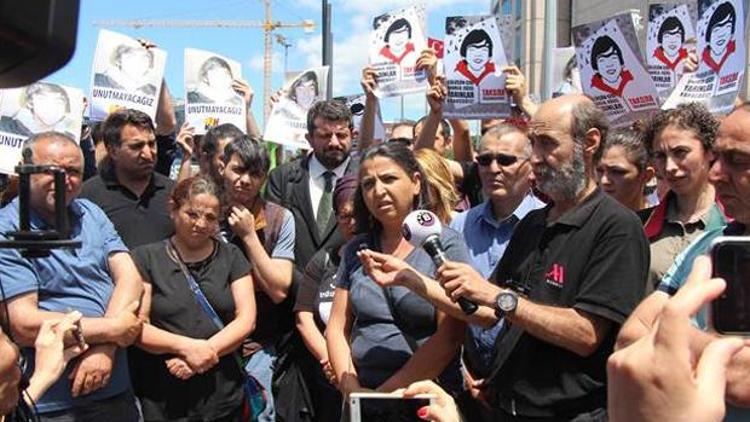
(670, 39)
(396, 41)
(39, 107)
(125, 74)
(612, 73)
(211, 98)
(474, 62)
(287, 123)
(721, 53)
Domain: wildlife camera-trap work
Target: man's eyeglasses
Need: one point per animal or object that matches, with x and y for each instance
(504, 160)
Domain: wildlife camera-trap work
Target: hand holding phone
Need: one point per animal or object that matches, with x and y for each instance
(376, 407)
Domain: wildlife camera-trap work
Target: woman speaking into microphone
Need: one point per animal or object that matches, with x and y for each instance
(386, 337)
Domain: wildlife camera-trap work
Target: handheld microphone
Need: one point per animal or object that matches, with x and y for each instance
(422, 229)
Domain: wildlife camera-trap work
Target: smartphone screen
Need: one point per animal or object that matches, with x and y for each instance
(730, 313)
(395, 409)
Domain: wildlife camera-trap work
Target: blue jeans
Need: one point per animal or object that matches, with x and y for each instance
(261, 366)
(120, 408)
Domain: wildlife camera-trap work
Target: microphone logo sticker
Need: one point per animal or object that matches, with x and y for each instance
(425, 219)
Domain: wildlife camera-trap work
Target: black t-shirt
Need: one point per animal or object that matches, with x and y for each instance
(316, 290)
(138, 220)
(217, 392)
(594, 258)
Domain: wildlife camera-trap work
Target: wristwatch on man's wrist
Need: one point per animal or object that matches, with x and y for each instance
(506, 303)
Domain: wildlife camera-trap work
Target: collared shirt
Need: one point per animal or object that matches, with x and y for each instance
(593, 258)
(139, 220)
(487, 238)
(67, 279)
(318, 181)
(675, 236)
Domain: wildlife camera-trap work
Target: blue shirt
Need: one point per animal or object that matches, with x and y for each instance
(77, 279)
(487, 238)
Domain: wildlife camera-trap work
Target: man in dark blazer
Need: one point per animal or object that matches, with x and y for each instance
(300, 185)
(305, 187)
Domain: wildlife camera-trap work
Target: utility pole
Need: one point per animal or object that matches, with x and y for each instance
(282, 40)
(327, 44)
(268, 26)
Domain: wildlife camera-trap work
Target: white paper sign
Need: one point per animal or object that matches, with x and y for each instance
(474, 61)
(722, 55)
(125, 75)
(396, 41)
(287, 124)
(670, 27)
(211, 100)
(39, 107)
(612, 72)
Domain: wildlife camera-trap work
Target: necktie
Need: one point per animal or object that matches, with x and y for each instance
(325, 206)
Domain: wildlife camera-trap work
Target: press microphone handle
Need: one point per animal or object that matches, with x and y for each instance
(435, 250)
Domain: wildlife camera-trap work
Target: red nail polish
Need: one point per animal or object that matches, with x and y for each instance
(422, 412)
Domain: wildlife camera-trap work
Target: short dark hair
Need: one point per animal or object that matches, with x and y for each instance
(721, 13)
(113, 124)
(251, 151)
(210, 142)
(97, 132)
(331, 110)
(397, 25)
(670, 25)
(631, 141)
(476, 36)
(404, 157)
(586, 116)
(308, 76)
(446, 127)
(604, 46)
(687, 116)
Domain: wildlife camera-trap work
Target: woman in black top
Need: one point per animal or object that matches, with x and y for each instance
(315, 298)
(190, 372)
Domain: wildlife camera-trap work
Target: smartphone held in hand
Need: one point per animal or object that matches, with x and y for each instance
(376, 407)
(730, 312)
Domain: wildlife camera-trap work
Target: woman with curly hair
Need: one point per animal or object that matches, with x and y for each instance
(440, 183)
(680, 142)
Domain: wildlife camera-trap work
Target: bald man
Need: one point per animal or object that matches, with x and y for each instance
(570, 276)
(99, 279)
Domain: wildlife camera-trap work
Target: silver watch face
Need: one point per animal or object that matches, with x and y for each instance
(507, 301)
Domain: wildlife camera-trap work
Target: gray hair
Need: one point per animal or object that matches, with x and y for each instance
(27, 150)
(502, 129)
(586, 116)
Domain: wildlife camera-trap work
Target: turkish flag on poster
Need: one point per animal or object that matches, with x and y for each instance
(436, 45)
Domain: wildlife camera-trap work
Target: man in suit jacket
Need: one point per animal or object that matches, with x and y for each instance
(300, 185)
(305, 187)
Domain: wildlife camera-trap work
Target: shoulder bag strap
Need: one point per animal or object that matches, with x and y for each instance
(200, 297)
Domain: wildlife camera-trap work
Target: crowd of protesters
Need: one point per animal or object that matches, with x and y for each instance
(575, 240)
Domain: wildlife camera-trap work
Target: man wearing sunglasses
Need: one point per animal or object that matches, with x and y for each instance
(505, 175)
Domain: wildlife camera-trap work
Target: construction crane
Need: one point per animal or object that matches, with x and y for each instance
(268, 26)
